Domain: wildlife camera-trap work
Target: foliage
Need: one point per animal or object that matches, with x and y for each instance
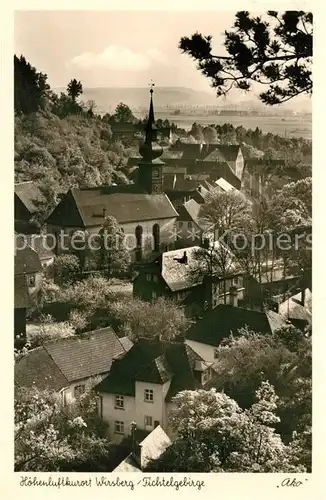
(123, 114)
(48, 435)
(74, 89)
(162, 318)
(30, 87)
(215, 435)
(246, 360)
(276, 53)
(226, 210)
(112, 254)
(66, 268)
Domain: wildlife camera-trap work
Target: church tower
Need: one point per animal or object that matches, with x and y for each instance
(150, 167)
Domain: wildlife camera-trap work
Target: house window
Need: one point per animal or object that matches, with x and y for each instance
(235, 280)
(119, 402)
(139, 242)
(148, 277)
(148, 421)
(215, 353)
(154, 294)
(190, 225)
(149, 395)
(180, 225)
(119, 427)
(79, 390)
(31, 281)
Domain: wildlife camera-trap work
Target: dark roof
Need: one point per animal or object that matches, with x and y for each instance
(224, 151)
(155, 362)
(56, 364)
(22, 298)
(29, 194)
(27, 261)
(223, 320)
(86, 356)
(176, 183)
(41, 243)
(125, 203)
(37, 369)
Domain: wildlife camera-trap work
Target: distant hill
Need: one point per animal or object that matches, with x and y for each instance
(107, 98)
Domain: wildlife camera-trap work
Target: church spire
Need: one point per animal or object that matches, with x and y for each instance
(150, 150)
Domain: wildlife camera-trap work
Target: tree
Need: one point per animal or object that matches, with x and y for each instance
(196, 132)
(161, 318)
(226, 210)
(51, 437)
(123, 114)
(66, 268)
(276, 53)
(113, 256)
(74, 89)
(30, 87)
(210, 135)
(215, 435)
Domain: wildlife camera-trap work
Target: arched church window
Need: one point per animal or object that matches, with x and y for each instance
(156, 236)
(139, 238)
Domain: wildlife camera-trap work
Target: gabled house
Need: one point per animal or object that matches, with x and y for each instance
(181, 190)
(27, 281)
(144, 449)
(192, 229)
(141, 385)
(173, 276)
(41, 243)
(298, 309)
(27, 199)
(218, 324)
(67, 365)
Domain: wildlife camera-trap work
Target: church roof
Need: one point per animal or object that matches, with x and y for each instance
(86, 207)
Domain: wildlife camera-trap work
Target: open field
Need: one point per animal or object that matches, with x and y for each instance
(291, 126)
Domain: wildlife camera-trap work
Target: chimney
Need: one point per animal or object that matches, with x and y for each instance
(303, 296)
(233, 295)
(135, 448)
(185, 258)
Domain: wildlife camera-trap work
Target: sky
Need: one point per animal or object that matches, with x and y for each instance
(114, 49)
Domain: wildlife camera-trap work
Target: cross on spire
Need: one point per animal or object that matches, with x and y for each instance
(152, 85)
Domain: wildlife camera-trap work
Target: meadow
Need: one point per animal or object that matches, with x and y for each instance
(286, 126)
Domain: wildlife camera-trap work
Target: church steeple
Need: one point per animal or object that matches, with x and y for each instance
(151, 167)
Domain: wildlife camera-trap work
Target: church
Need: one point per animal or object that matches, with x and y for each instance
(143, 211)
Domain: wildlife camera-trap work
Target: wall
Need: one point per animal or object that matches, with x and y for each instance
(239, 164)
(68, 392)
(110, 414)
(135, 409)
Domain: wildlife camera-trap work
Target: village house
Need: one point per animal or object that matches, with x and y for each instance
(27, 200)
(143, 210)
(219, 323)
(174, 275)
(141, 385)
(144, 449)
(28, 274)
(298, 309)
(69, 365)
(192, 229)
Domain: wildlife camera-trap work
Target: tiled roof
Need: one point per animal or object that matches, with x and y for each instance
(86, 356)
(178, 275)
(37, 369)
(223, 320)
(27, 261)
(29, 194)
(126, 343)
(193, 208)
(155, 362)
(293, 308)
(228, 152)
(41, 243)
(124, 203)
